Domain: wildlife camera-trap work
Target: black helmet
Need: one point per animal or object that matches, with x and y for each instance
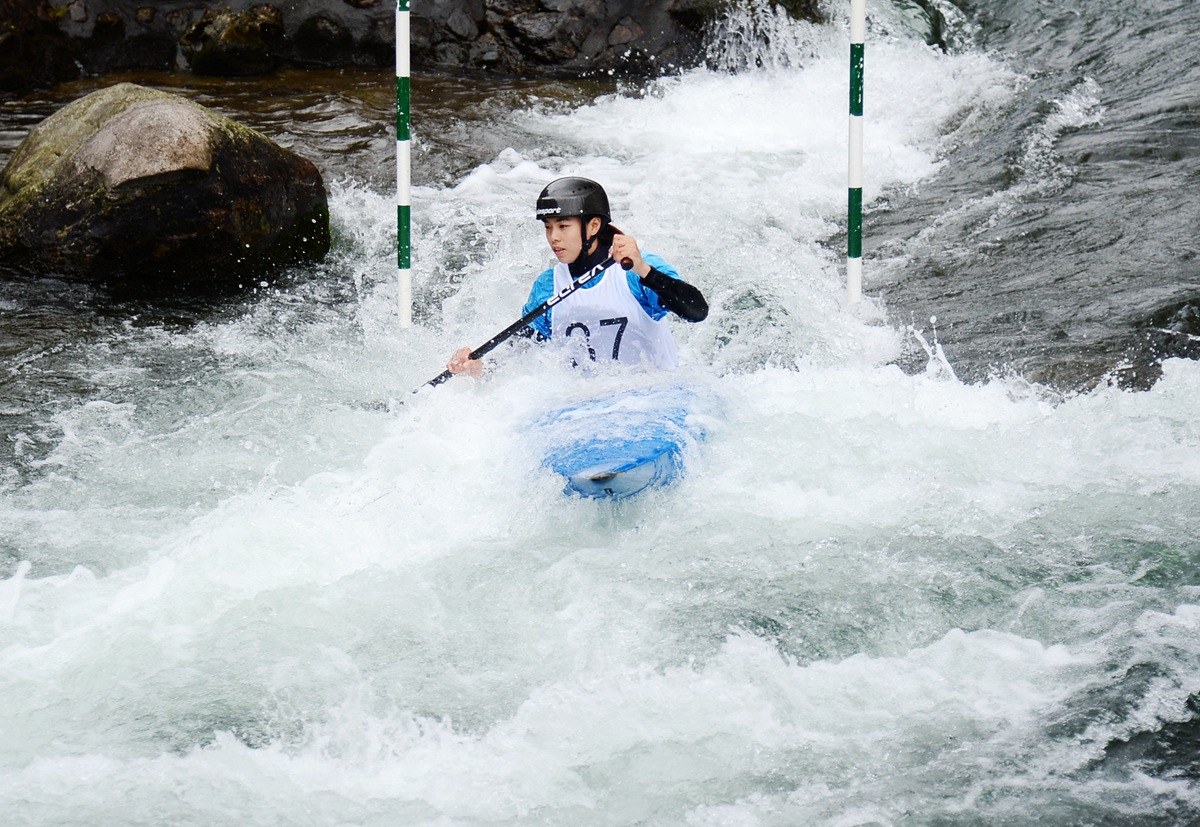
(566, 197)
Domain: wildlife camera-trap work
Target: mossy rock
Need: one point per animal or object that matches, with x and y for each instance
(129, 184)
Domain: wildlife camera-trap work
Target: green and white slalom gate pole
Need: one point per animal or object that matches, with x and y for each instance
(858, 36)
(403, 167)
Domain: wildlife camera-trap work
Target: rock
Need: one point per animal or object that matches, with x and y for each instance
(627, 30)
(324, 41)
(46, 41)
(130, 185)
(234, 43)
(570, 38)
(33, 52)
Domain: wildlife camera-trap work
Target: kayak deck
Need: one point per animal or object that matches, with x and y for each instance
(619, 446)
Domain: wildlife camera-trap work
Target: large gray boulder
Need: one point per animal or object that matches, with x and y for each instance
(130, 184)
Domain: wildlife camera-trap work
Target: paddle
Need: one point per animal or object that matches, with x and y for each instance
(522, 322)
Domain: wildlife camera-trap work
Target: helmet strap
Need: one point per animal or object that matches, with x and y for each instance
(585, 220)
(586, 258)
(587, 239)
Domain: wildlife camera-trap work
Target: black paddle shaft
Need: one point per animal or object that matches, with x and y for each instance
(522, 322)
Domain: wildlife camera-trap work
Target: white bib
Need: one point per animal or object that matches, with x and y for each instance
(604, 322)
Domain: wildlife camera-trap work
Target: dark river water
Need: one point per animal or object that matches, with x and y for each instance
(1062, 245)
(919, 572)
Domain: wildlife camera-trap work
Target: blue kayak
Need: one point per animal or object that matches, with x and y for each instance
(622, 445)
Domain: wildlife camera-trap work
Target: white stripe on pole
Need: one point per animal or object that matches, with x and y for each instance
(858, 36)
(403, 167)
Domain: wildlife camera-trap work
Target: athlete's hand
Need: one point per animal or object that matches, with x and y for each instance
(461, 362)
(626, 247)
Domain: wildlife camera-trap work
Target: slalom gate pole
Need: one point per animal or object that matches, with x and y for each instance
(858, 36)
(403, 167)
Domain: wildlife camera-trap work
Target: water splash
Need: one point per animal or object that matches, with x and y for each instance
(938, 364)
(759, 34)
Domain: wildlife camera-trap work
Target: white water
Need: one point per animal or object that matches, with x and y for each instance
(248, 598)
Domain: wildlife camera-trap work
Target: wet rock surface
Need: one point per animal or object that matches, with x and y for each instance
(132, 186)
(43, 42)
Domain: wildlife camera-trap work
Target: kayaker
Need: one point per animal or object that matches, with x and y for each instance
(619, 316)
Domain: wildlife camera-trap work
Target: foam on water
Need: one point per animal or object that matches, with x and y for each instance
(252, 592)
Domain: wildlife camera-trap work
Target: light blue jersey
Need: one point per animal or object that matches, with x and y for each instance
(543, 289)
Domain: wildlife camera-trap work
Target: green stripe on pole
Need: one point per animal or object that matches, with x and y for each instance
(404, 236)
(857, 56)
(854, 226)
(403, 104)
